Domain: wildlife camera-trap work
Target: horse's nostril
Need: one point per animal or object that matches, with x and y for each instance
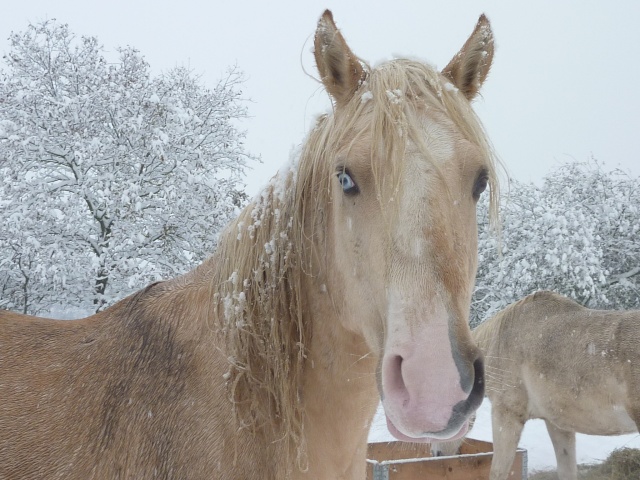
(396, 365)
(463, 409)
(477, 392)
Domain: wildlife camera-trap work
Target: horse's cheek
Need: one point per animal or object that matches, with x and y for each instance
(358, 256)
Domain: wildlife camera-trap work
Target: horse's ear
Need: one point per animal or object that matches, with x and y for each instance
(340, 70)
(470, 66)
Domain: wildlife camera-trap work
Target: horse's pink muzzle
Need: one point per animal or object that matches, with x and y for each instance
(428, 388)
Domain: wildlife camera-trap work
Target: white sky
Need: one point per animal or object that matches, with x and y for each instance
(564, 82)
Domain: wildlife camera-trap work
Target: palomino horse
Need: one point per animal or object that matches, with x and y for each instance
(578, 369)
(350, 274)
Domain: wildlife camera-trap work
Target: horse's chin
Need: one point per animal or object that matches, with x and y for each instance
(435, 437)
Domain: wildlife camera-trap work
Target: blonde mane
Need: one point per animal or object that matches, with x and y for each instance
(278, 238)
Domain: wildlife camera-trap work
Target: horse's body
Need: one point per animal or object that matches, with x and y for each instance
(348, 277)
(577, 369)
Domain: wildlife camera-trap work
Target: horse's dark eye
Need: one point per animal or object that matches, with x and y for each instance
(346, 182)
(480, 184)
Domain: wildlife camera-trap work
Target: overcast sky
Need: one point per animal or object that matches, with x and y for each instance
(564, 82)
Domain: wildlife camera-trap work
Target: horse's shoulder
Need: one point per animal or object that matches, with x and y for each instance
(151, 357)
(153, 314)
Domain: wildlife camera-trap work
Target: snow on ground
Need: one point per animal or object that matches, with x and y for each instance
(590, 448)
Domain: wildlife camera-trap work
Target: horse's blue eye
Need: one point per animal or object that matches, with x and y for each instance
(347, 183)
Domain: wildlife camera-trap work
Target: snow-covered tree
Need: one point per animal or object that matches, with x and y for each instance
(576, 235)
(109, 177)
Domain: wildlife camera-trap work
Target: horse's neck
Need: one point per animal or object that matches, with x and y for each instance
(339, 389)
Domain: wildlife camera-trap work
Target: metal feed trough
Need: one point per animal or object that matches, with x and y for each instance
(413, 461)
